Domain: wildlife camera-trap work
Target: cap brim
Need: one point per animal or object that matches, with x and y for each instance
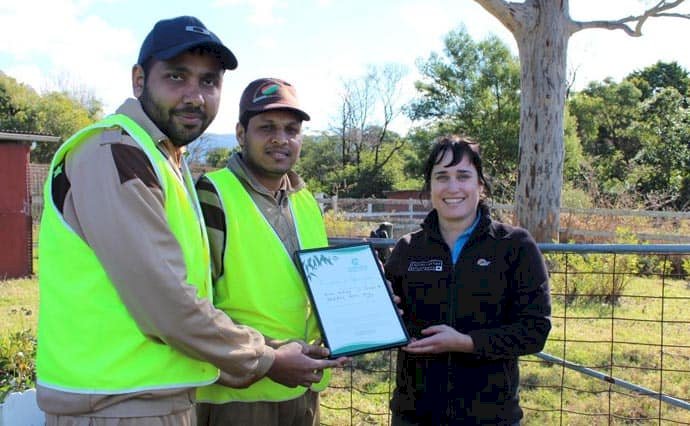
(269, 107)
(226, 57)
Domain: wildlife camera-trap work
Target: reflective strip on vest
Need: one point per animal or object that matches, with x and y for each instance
(87, 341)
(261, 286)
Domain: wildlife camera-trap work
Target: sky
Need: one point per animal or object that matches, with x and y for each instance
(314, 44)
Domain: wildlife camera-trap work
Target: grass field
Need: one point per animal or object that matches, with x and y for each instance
(621, 340)
(18, 310)
(18, 305)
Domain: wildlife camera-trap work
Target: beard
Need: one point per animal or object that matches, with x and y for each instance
(165, 119)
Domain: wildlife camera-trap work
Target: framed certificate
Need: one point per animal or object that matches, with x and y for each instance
(351, 298)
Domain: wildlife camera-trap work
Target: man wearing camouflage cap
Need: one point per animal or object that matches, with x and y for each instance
(258, 213)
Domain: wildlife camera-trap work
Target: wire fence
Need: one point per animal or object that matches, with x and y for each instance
(618, 353)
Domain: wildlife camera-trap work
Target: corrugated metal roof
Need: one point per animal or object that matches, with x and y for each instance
(22, 135)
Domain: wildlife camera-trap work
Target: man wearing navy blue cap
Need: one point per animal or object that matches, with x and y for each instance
(127, 329)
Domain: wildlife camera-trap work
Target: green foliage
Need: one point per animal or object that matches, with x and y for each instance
(575, 198)
(605, 111)
(661, 166)
(54, 113)
(17, 362)
(61, 115)
(360, 147)
(586, 279)
(686, 266)
(659, 76)
(636, 139)
(473, 88)
(318, 160)
(17, 104)
(321, 167)
(574, 163)
(338, 226)
(218, 157)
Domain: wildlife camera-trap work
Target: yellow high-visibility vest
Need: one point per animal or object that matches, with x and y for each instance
(87, 340)
(261, 286)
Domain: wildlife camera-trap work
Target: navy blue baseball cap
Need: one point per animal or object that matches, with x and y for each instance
(170, 37)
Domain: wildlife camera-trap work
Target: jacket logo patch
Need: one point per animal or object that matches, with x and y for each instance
(483, 262)
(425, 266)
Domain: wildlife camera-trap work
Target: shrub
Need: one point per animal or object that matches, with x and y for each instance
(337, 225)
(686, 266)
(17, 362)
(593, 277)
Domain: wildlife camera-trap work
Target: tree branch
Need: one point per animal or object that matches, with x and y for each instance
(632, 25)
(513, 15)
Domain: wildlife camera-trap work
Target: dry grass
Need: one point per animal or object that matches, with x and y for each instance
(18, 305)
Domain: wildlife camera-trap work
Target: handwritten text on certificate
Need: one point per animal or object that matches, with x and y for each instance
(352, 301)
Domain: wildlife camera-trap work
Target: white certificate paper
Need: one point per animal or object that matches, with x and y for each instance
(351, 298)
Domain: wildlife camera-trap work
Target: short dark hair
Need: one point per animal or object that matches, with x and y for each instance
(246, 116)
(459, 147)
(146, 66)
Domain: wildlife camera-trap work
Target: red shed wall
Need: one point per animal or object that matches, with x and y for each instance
(15, 211)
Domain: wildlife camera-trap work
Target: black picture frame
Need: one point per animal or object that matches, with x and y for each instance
(327, 292)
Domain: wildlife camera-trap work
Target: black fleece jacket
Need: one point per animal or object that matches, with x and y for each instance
(497, 293)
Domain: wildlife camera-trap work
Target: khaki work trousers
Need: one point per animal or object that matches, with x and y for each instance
(181, 418)
(301, 411)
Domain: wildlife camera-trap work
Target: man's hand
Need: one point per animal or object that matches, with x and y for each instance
(300, 364)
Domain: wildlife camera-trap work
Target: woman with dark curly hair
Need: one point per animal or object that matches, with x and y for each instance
(475, 297)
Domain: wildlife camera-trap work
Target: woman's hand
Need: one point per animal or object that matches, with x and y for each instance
(440, 338)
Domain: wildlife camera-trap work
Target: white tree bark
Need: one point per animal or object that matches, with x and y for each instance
(542, 29)
(542, 51)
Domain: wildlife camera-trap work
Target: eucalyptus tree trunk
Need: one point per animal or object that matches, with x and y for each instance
(542, 50)
(542, 29)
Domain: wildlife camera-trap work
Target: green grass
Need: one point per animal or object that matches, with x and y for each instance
(18, 309)
(634, 324)
(18, 305)
(638, 360)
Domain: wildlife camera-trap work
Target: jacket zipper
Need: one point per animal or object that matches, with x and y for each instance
(451, 322)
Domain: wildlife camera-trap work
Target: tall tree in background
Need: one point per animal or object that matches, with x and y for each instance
(660, 75)
(368, 107)
(473, 88)
(542, 29)
(636, 136)
(61, 115)
(17, 102)
(661, 168)
(58, 113)
(606, 112)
